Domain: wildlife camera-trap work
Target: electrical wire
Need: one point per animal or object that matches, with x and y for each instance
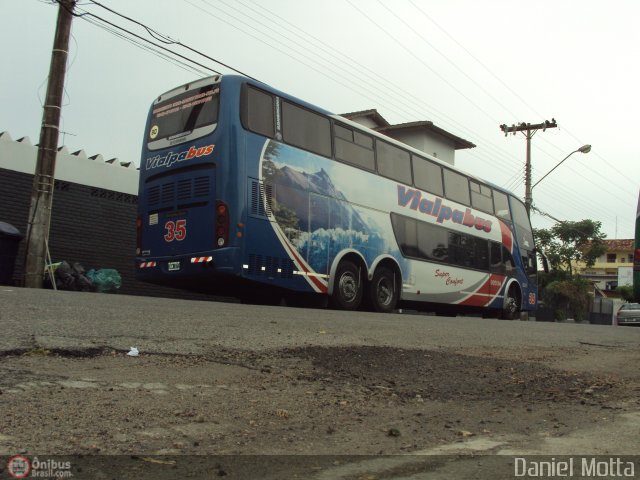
(158, 53)
(378, 79)
(168, 40)
(513, 180)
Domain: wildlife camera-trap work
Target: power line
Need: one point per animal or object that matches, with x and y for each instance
(515, 94)
(156, 52)
(167, 40)
(377, 78)
(445, 57)
(403, 99)
(420, 60)
(145, 40)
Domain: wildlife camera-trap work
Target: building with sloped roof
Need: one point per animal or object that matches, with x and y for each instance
(422, 135)
(609, 266)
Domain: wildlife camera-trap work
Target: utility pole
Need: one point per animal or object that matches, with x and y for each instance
(43, 179)
(529, 131)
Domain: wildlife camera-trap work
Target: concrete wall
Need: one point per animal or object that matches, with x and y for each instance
(431, 144)
(94, 211)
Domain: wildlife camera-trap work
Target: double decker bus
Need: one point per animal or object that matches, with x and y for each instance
(248, 191)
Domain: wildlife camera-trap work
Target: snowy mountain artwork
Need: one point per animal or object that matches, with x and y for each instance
(314, 202)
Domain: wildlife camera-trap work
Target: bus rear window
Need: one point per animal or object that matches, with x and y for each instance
(184, 114)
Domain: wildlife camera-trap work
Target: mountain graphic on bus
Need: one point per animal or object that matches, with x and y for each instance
(315, 215)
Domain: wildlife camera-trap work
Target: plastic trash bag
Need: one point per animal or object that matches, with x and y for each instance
(133, 352)
(69, 277)
(82, 282)
(105, 280)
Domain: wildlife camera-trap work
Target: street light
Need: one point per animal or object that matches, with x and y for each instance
(582, 149)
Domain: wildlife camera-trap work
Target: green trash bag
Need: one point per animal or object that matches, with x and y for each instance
(106, 280)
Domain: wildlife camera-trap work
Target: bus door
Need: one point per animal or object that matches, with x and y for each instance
(498, 267)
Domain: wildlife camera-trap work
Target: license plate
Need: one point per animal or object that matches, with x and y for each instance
(174, 266)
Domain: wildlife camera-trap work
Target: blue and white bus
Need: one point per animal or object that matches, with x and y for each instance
(249, 191)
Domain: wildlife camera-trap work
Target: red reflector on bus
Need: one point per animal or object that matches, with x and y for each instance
(138, 234)
(222, 222)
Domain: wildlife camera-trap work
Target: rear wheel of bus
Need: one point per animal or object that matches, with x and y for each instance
(348, 288)
(383, 290)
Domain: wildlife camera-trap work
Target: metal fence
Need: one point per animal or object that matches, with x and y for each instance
(602, 311)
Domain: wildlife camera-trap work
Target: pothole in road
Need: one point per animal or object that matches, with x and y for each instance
(447, 376)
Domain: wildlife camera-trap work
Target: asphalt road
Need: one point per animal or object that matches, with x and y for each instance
(422, 396)
(73, 320)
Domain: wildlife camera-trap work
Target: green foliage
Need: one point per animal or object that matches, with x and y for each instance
(568, 298)
(625, 292)
(270, 173)
(545, 278)
(568, 242)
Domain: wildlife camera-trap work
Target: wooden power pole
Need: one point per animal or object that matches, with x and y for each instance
(529, 131)
(43, 180)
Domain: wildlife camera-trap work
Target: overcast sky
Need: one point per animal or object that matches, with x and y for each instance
(468, 66)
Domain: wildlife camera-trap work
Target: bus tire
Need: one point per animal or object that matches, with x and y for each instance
(347, 290)
(383, 292)
(511, 310)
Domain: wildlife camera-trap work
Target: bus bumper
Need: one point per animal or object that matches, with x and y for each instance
(222, 262)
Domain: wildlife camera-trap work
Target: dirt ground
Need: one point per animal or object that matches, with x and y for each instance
(309, 400)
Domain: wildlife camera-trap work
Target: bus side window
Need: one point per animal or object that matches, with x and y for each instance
(501, 205)
(530, 262)
(259, 112)
(393, 162)
(433, 242)
(507, 260)
(427, 175)
(406, 232)
(481, 197)
(354, 147)
(306, 129)
(496, 258)
(456, 187)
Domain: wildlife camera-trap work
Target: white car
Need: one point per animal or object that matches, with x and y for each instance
(629, 314)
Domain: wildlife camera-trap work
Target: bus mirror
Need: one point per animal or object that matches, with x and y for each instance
(545, 262)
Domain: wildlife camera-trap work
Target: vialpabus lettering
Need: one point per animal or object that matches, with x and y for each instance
(414, 199)
(171, 158)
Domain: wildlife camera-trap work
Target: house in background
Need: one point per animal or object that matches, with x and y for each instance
(422, 135)
(615, 262)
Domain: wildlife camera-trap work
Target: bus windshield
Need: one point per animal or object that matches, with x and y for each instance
(183, 114)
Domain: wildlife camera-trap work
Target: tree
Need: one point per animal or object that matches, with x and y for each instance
(568, 298)
(625, 292)
(568, 242)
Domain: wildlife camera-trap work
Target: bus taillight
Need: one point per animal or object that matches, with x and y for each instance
(222, 224)
(138, 235)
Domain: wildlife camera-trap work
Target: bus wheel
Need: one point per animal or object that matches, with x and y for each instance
(511, 309)
(347, 290)
(383, 292)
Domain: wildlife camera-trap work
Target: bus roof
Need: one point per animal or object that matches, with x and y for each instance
(346, 121)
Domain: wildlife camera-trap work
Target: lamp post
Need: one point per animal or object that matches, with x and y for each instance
(529, 198)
